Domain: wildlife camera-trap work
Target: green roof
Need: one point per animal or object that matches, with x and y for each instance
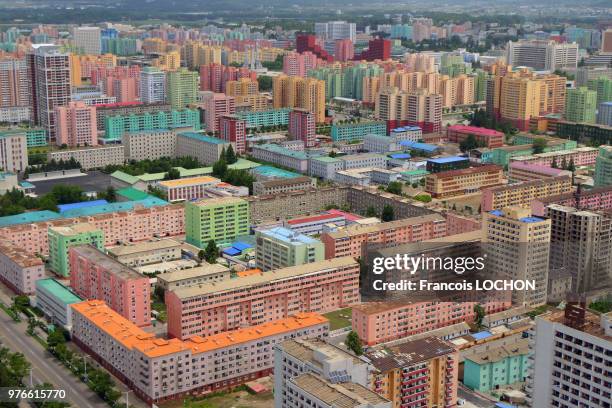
(56, 289)
(327, 159)
(152, 176)
(200, 171)
(415, 172)
(243, 164)
(132, 194)
(126, 178)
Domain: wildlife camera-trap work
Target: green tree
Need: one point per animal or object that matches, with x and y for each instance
(201, 255)
(66, 194)
(370, 211)
(571, 166)
(554, 164)
(353, 342)
(425, 198)
(394, 187)
(265, 83)
(211, 252)
(469, 143)
(172, 174)
(388, 214)
(230, 156)
(49, 404)
(220, 168)
(480, 313)
(539, 144)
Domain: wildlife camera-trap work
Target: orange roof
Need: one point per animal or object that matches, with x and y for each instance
(248, 272)
(133, 337)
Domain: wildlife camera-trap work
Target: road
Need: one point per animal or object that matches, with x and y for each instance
(45, 368)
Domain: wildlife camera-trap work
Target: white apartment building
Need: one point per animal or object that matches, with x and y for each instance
(13, 151)
(542, 55)
(94, 157)
(152, 86)
(336, 30)
(379, 144)
(88, 39)
(19, 270)
(149, 144)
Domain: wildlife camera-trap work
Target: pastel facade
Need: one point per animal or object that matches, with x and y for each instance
(219, 219)
(350, 240)
(581, 156)
(19, 270)
(95, 275)
(185, 278)
(488, 137)
(144, 253)
(519, 171)
(206, 149)
(54, 299)
(357, 131)
(523, 194)
(62, 238)
(158, 370)
(465, 181)
(89, 158)
(315, 287)
(76, 125)
(595, 199)
(187, 189)
(281, 247)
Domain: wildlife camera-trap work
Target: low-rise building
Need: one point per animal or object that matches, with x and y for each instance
(144, 253)
(185, 278)
(465, 181)
(580, 156)
(485, 137)
(314, 224)
(19, 270)
(407, 133)
(379, 144)
(349, 241)
(283, 185)
(95, 275)
(149, 144)
(187, 189)
(156, 369)
(357, 131)
(61, 238)
(523, 194)
(281, 247)
(54, 299)
(206, 149)
(282, 156)
(93, 157)
(519, 171)
(214, 308)
(447, 163)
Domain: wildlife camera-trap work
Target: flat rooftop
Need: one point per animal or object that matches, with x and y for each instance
(288, 236)
(189, 181)
(18, 256)
(305, 349)
(358, 229)
(410, 353)
(190, 273)
(338, 395)
(265, 277)
(100, 258)
(75, 229)
(138, 247)
(63, 293)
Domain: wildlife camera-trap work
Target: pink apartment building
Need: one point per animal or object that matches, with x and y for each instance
(138, 224)
(296, 64)
(344, 50)
(158, 370)
(349, 241)
(120, 82)
(19, 270)
(488, 137)
(523, 194)
(76, 125)
(380, 322)
(95, 275)
(302, 126)
(521, 171)
(213, 77)
(214, 308)
(596, 199)
(581, 156)
(457, 224)
(216, 106)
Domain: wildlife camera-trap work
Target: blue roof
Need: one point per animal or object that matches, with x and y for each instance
(531, 219)
(406, 129)
(289, 236)
(481, 335)
(499, 213)
(28, 217)
(203, 138)
(66, 207)
(27, 184)
(400, 155)
(451, 159)
(274, 172)
(231, 251)
(241, 246)
(504, 405)
(419, 146)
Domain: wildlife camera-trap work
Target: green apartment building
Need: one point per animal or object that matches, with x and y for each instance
(116, 126)
(62, 238)
(603, 167)
(356, 131)
(34, 136)
(281, 247)
(523, 146)
(270, 117)
(603, 87)
(581, 104)
(181, 87)
(489, 367)
(219, 219)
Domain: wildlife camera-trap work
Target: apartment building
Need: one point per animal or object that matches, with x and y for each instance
(349, 132)
(380, 322)
(302, 127)
(523, 194)
(54, 299)
(206, 149)
(149, 144)
(184, 278)
(136, 223)
(87, 39)
(419, 373)
(487, 137)
(570, 358)
(19, 270)
(463, 181)
(350, 240)
(603, 166)
(263, 188)
(217, 105)
(115, 126)
(13, 151)
(281, 156)
(158, 370)
(281, 247)
(95, 157)
(580, 156)
(595, 199)
(294, 358)
(542, 54)
(219, 219)
(61, 238)
(315, 287)
(152, 85)
(126, 109)
(187, 189)
(144, 253)
(519, 172)
(95, 275)
(75, 125)
(327, 167)
(233, 130)
(315, 224)
(268, 117)
(518, 248)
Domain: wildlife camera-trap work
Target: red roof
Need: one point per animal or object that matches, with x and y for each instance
(347, 215)
(314, 218)
(475, 130)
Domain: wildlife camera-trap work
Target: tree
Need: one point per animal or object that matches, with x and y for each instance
(201, 254)
(55, 338)
(230, 156)
(425, 198)
(220, 168)
(353, 342)
(539, 144)
(370, 211)
(333, 153)
(265, 83)
(66, 194)
(211, 252)
(554, 164)
(571, 166)
(388, 214)
(394, 187)
(480, 313)
(49, 404)
(172, 174)
(469, 143)
(564, 164)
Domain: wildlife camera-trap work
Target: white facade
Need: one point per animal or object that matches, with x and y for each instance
(88, 39)
(379, 144)
(149, 144)
(13, 152)
(281, 156)
(336, 30)
(542, 55)
(152, 86)
(91, 157)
